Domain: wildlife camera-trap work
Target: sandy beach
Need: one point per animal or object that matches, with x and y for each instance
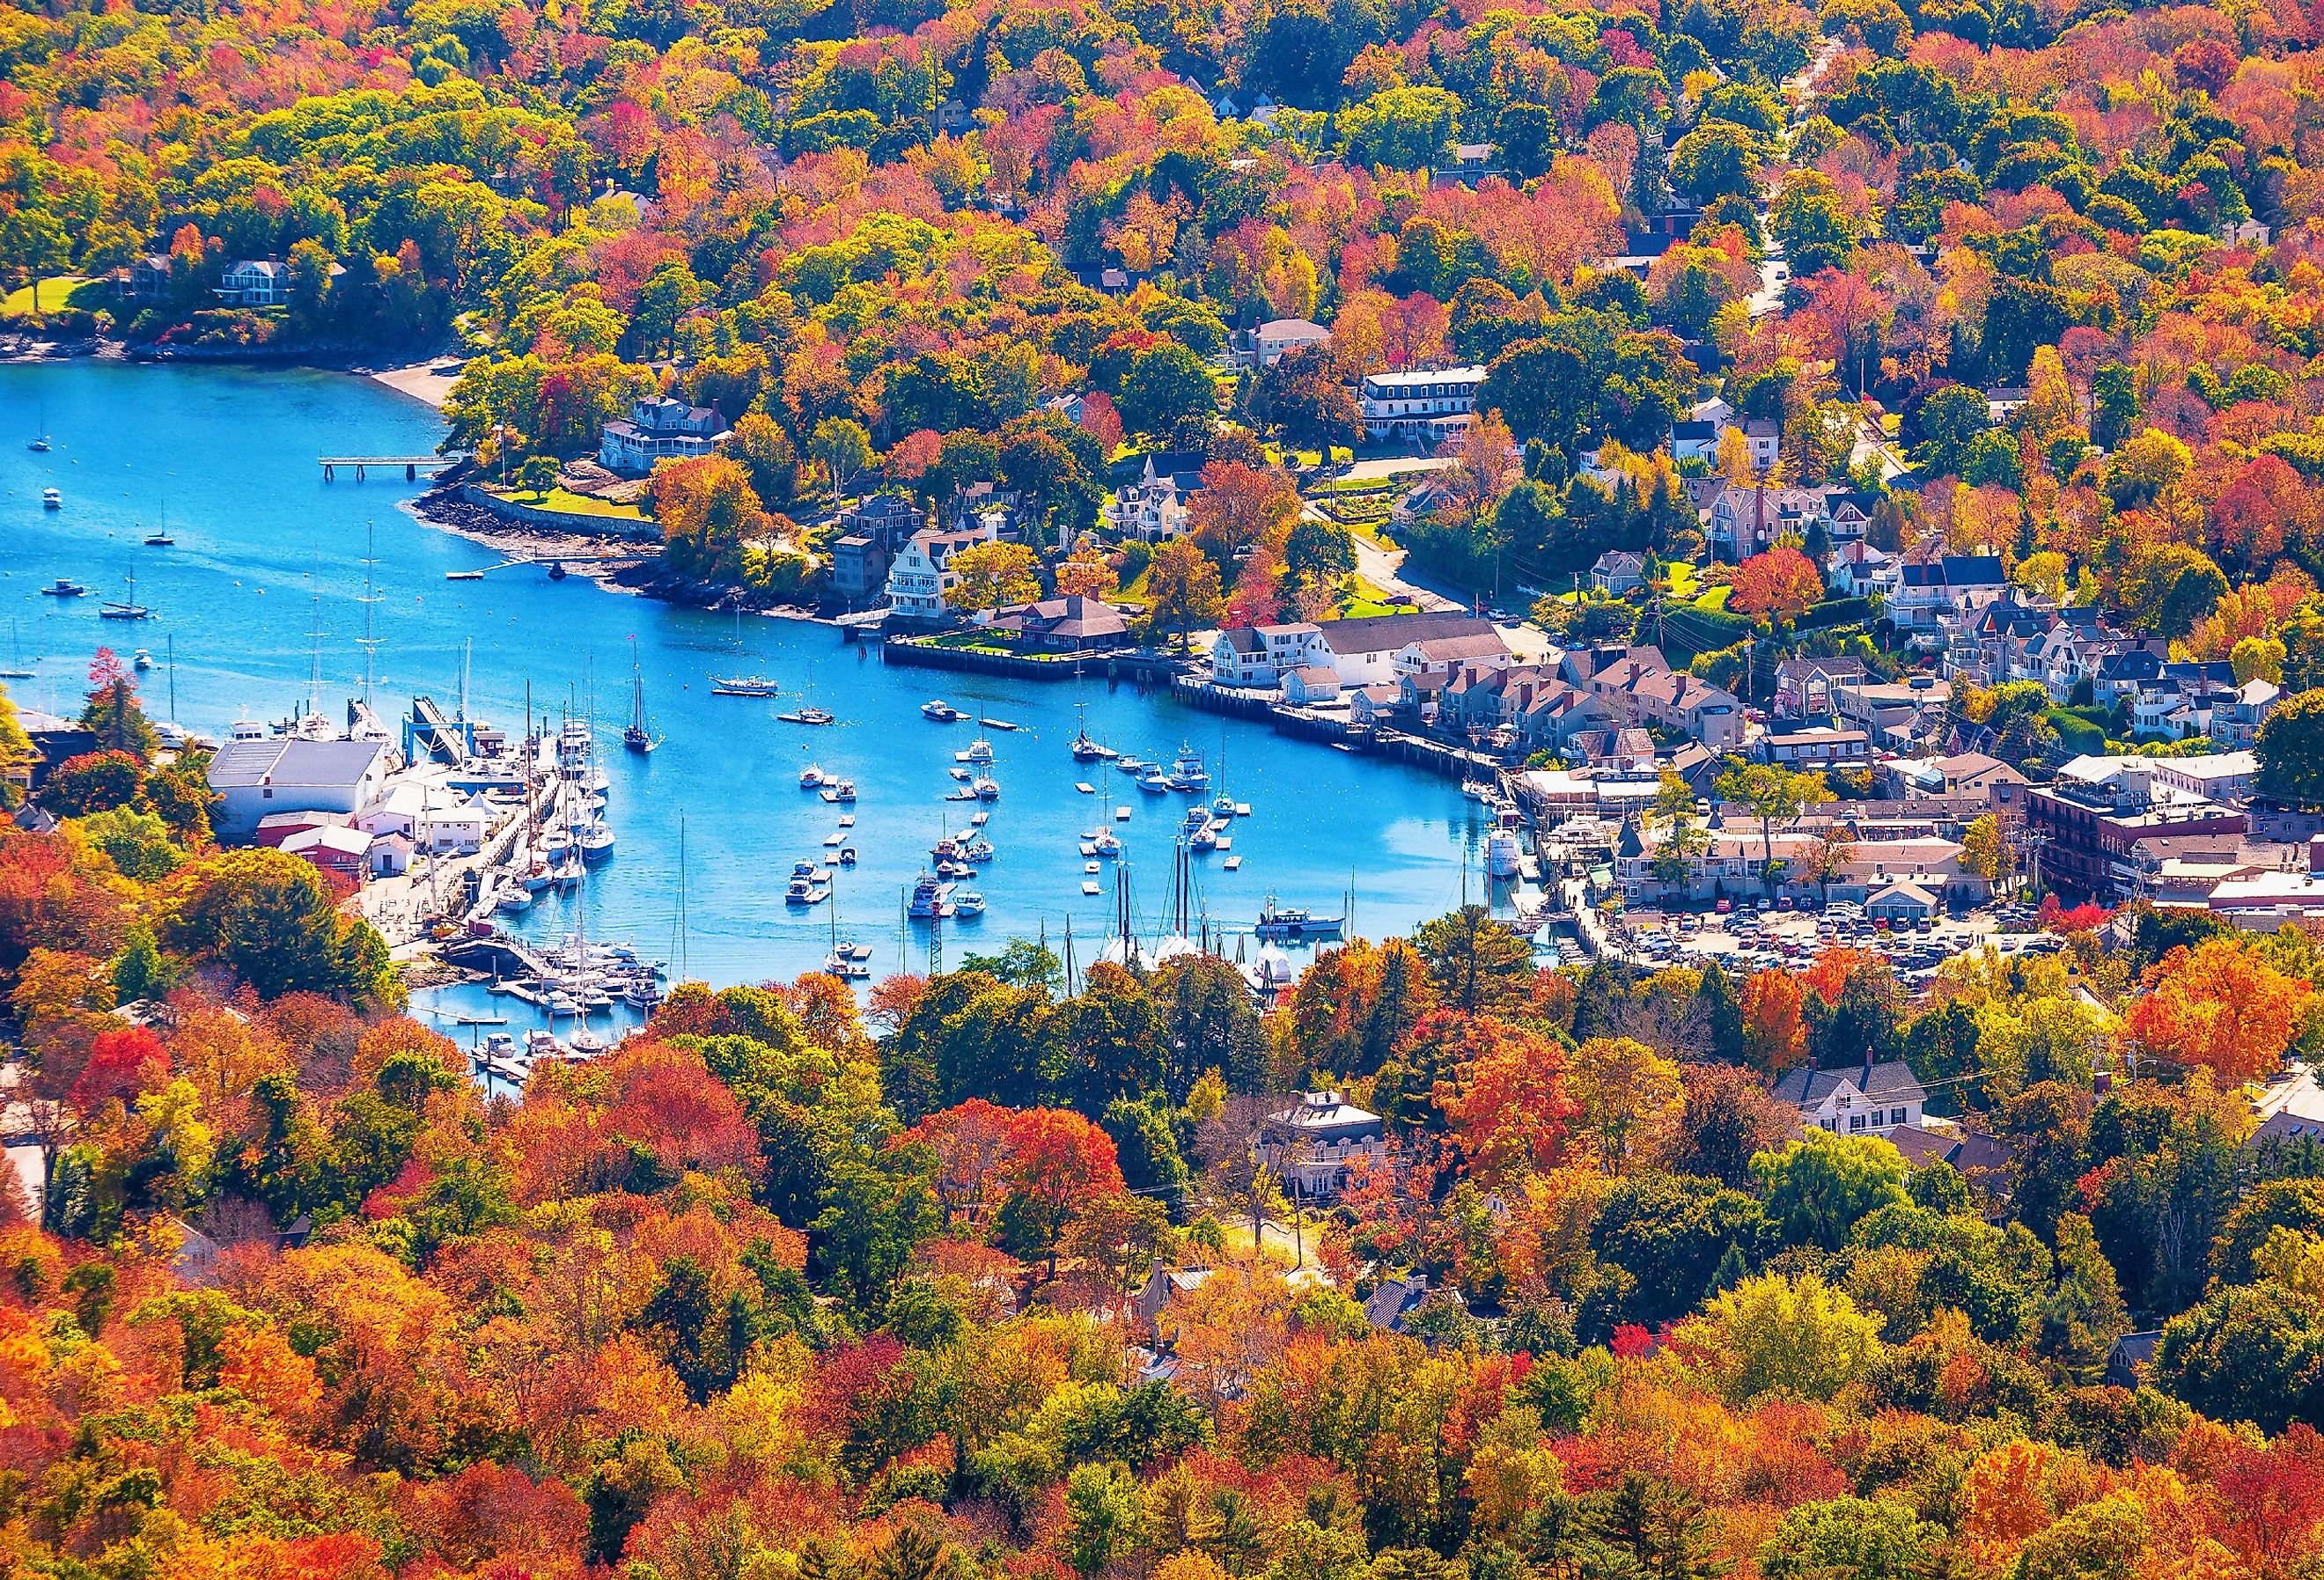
(431, 380)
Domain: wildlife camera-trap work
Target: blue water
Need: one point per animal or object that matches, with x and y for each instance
(230, 455)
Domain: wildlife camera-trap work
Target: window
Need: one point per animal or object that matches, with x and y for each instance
(1856, 1121)
(1896, 1116)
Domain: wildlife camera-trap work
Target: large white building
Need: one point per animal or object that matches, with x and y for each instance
(659, 429)
(1422, 404)
(1375, 649)
(284, 774)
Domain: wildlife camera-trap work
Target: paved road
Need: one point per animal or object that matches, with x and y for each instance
(1383, 569)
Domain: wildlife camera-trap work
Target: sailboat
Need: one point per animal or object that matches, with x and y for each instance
(129, 608)
(810, 714)
(39, 443)
(640, 737)
(15, 669)
(1085, 749)
(158, 537)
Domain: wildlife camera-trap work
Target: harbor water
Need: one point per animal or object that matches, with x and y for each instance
(267, 555)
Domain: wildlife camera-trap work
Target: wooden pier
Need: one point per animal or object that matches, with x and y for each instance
(412, 465)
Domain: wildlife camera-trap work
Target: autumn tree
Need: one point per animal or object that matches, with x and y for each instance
(708, 512)
(2222, 1005)
(1780, 583)
(993, 575)
(1182, 589)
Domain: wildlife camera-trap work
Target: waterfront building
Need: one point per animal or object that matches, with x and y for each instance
(1420, 404)
(659, 429)
(276, 773)
(337, 849)
(254, 282)
(1074, 623)
(145, 279)
(922, 574)
(1312, 686)
(1313, 1145)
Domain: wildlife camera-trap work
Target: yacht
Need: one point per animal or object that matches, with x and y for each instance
(1503, 854)
(639, 738)
(811, 777)
(1224, 808)
(1293, 922)
(980, 752)
(1203, 838)
(808, 716)
(842, 964)
(596, 842)
(741, 685)
(968, 902)
(930, 900)
(159, 541)
(642, 994)
(513, 897)
(52, 499)
(1105, 843)
(977, 850)
(944, 712)
(1154, 781)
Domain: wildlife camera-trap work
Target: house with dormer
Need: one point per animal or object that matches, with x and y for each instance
(1870, 1099)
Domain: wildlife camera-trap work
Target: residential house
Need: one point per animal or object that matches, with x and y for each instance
(1962, 774)
(1765, 438)
(1979, 1159)
(1694, 440)
(277, 773)
(1651, 694)
(1374, 707)
(248, 283)
(1749, 519)
(922, 574)
(1420, 404)
(1617, 571)
(659, 427)
(1072, 623)
(1871, 1099)
(859, 567)
(1271, 339)
(1164, 1287)
(2236, 722)
(1394, 1302)
(1955, 584)
(146, 279)
(1814, 747)
(1376, 648)
(1805, 687)
(1847, 516)
(2130, 1356)
(1153, 509)
(1483, 649)
(1314, 1145)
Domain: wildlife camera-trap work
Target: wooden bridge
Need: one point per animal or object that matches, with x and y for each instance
(412, 465)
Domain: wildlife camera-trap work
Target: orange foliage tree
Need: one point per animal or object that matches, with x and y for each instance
(2221, 1005)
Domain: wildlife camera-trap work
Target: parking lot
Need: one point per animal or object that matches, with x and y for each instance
(1759, 934)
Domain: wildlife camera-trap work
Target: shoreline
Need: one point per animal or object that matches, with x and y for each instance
(429, 381)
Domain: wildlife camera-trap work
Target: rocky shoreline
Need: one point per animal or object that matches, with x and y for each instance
(641, 575)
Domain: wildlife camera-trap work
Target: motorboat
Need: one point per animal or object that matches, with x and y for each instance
(845, 965)
(968, 902)
(930, 900)
(1154, 781)
(803, 869)
(142, 660)
(944, 712)
(954, 867)
(1132, 765)
(513, 897)
(806, 891)
(63, 589)
(1187, 773)
(1293, 922)
(986, 788)
(1479, 790)
(741, 685)
(1503, 854)
(1105, 843)
(977, 850)
(808, 716)
(1203, 838)
(980, 752)
(52, 499)
(1197, 817)
(844, 792)
(846, 855)
(811, 777)
(596, 842)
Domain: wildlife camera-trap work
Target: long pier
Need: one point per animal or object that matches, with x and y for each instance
(412, 465)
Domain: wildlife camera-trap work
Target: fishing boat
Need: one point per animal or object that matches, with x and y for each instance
(640, 737)
(52, 499)
(930, 900)
(968, 903)
(128, 608)
(1293, 922)
(142, 661)
(1187, 773)
(63, 589)
(1154, 781)
(811, 777)
(741, 685)
(944, 712)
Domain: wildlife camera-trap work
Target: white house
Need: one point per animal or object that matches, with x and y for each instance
(1424, 404)
(922, 573)
(1313, 1146)
(255, 283)
(1278, 336)
(1261, 655)
(1310, 686)
(1872, 1099)
(1153, 509)
(659, 429)
(251, 778)
(436, 818)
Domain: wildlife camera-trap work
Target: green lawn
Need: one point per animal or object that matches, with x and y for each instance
(56, 293)
(565, 502)
(1714, 602)
(1683, 581)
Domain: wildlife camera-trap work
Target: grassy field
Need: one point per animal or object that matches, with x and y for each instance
(57, 292)
(565, 502)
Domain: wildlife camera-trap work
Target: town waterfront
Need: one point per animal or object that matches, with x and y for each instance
(267, 554)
